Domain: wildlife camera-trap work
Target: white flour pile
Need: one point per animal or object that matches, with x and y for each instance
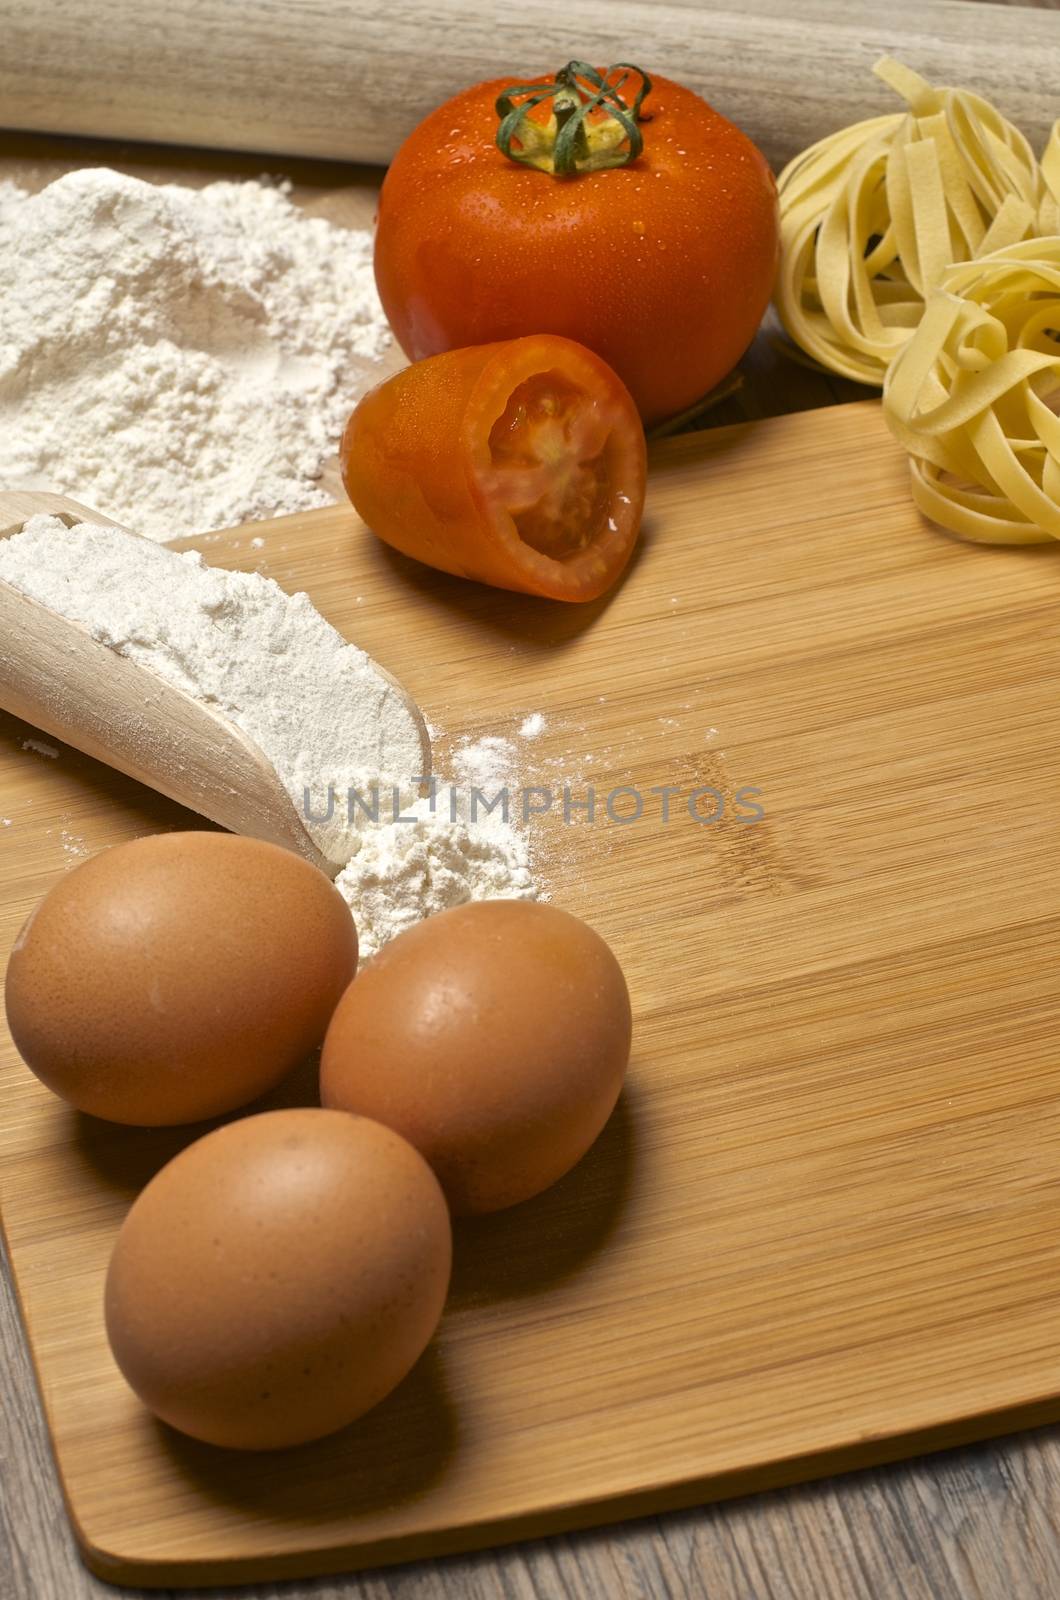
(181, 359)
(316, 706)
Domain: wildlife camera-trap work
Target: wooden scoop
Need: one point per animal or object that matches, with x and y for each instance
(55, 675)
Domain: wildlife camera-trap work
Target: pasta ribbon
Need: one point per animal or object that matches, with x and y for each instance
(873, 216)
(975, 393)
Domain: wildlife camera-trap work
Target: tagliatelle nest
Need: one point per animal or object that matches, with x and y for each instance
(873, 216)
(974, 397)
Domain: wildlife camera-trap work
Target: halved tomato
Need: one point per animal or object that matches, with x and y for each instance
(521, 464)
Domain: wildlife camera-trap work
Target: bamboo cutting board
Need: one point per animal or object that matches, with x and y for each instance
(822, 1227)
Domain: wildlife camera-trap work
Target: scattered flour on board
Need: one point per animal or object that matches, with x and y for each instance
(487, 764)
(182, 359)
(316, 706)
(456, 844)
(404, 871)
(40, 747)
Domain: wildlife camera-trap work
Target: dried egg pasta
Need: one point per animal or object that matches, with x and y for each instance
(872, 216)
(974, 397)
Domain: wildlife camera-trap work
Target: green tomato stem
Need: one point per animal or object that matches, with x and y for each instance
(574, 141)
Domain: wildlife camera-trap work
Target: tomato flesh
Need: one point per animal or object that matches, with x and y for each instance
(521, 464)
(549, 455)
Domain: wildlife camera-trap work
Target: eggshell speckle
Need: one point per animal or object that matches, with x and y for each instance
(178, 976)
(495, 1037)
(278, 1277)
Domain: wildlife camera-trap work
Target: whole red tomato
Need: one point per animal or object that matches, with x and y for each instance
(663, 264)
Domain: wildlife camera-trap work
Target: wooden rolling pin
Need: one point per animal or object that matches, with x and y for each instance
(348, 81)
(57, 676)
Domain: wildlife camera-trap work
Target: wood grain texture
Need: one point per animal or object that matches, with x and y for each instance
(822, 1228)
(972, 1524)
(327, 78)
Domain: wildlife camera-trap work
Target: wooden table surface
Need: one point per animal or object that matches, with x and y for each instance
(981, 1523)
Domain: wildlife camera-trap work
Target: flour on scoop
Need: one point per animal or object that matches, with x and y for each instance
(318, 708)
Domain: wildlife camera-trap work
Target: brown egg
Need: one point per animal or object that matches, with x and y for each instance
(495, 1037)
(277, 1278)
(178, 976)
